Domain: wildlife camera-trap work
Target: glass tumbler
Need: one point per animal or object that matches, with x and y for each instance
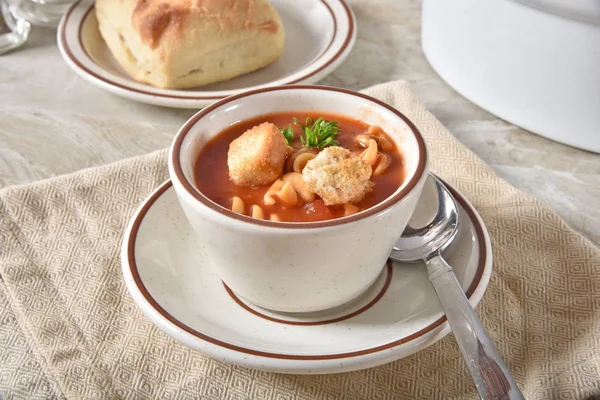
(42, 12)
(14, 29)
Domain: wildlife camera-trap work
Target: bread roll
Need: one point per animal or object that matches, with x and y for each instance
(179, 44)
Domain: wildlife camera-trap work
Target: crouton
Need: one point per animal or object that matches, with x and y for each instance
(257, 156)
(338, 176)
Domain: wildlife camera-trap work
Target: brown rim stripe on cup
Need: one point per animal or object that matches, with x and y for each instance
(68, 51)
(138, 282)
(386, 285)
(174, 156)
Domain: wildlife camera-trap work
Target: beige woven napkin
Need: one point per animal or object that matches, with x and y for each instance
(69, 329)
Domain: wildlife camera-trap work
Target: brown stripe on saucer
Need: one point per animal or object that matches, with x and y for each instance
(478, 233)
(140, 285)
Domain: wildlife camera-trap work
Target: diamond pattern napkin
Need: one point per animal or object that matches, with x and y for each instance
(69, 329)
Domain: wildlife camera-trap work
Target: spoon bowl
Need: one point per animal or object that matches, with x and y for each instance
(432, 227)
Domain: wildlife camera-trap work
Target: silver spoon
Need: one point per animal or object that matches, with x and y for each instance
(431, 229)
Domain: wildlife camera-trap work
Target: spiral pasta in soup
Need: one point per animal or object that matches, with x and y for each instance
(299, 167)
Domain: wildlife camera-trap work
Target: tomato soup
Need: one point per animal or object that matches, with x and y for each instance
(310, 186)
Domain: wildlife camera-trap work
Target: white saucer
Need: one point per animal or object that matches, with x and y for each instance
(166, 272)
(319, 36)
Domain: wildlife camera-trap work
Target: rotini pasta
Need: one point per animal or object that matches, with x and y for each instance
(375, 130)
(301, 160)
(287, 194)
(378, 160)
(350, 209)
(269, 198)
(287, 189)
(363, 140)
(382, 164)
(384, 143)
(295, 178)
(369, 156)
(237, 205)
(275, 217)
(289, 165)
(257, 212)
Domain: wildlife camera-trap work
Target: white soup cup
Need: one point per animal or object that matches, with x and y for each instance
(297, 267)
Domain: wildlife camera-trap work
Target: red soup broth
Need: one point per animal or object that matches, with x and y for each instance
(211, 173)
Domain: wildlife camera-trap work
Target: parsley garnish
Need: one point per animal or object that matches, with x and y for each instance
(319, 134)
(288, 133)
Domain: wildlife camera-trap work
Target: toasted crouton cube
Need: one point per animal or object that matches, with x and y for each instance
(338, 176)
(256, 158)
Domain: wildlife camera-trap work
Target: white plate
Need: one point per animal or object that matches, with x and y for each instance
(166, 272)
(319, 36)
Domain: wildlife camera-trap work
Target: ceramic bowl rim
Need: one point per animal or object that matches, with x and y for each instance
(179, 177)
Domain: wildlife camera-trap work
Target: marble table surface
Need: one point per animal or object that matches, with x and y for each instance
(52, 122)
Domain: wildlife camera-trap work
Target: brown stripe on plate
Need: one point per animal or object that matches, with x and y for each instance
(386, 285)
(138, 281)
(68, 51)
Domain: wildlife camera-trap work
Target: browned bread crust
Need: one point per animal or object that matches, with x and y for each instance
(257, 157)
(188, 43)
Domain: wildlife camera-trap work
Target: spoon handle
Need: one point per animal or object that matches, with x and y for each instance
(492, 377)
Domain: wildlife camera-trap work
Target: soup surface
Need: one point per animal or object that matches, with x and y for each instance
(213, 177)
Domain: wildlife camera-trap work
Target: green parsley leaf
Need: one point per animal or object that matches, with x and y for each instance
(288, 133)
(318, 134)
